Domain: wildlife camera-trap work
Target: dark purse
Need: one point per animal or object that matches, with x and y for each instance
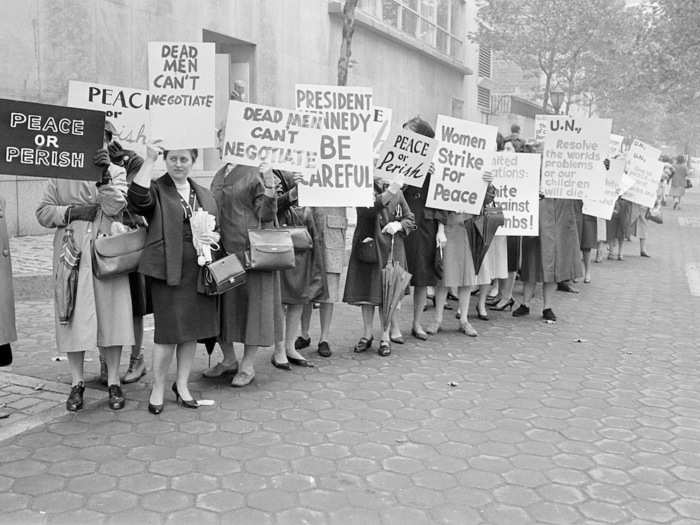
(367, 251)
(294, 222)
(221, 276)
(270, 249)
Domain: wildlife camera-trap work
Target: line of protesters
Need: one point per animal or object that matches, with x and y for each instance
(273, 308)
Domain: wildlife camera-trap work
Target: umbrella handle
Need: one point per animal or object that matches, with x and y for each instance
(391, 253)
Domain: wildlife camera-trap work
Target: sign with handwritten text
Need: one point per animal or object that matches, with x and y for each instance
(405, 157)
(181, 81)
(644, 166)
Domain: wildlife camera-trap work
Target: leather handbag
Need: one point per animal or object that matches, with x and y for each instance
(270, 249)
(120, 254)
(301, 238)
(367, 251)
(221, 276)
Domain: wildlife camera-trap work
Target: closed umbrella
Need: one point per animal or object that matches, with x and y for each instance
(66, 286)
(395, 280)
(480, 232)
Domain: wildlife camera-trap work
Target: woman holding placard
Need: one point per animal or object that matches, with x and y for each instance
(379, 237)
(421, 245)
(171, 264)
(101, 309)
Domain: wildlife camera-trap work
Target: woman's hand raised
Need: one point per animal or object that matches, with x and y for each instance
(153, 149)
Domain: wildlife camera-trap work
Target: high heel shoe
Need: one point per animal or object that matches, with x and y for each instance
(507, 306)
(154, 409)
(188, 403)
(483, 317)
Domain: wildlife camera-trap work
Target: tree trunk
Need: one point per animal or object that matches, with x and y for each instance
(547, 89)
(345, 47)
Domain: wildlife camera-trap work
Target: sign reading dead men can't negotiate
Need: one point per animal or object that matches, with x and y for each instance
(465, 151)
(574, 150)
(282, 138)
(644, 166)
(126, 108)
(345, 163)
(39, 140)
(405, 157)
(181, 81)
(516, 177)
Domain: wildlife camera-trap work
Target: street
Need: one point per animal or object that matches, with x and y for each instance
(594, 419)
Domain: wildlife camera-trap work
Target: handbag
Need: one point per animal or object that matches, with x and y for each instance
(269, 249)
(654, 215)
(294, 222)
(367, 251)
(114, 255)
(220, 276)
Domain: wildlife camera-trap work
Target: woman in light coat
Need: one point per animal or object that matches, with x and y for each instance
(102, 316)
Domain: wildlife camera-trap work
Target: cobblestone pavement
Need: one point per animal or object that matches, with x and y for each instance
(521, 425)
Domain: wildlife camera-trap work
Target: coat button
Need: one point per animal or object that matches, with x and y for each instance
(6, 253)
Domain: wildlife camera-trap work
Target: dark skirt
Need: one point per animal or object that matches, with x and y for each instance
(514, 249)
(420, 245)
(252, 314)
(180, 313)
(589, 232)
(531, 270)
(141, 303)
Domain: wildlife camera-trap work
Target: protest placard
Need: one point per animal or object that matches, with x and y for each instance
(603, 208)
(644, 166)
(40, 140)
(574, 150)
(126, 108)
(181, 82)
(542, 126)
(516, 177)
(405, 157)
(381, 124)
(345, 162)
(263, 134)
(615, 145)
(465, 151)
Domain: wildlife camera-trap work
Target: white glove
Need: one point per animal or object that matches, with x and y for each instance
(394, 187)
(487, 177)
(441, 238)
(392, 228)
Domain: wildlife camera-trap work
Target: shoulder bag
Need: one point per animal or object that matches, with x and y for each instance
(269, 249)
(221, 276)
(114, 255)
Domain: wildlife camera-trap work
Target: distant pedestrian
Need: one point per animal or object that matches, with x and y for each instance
(678, 181)
(8, 332)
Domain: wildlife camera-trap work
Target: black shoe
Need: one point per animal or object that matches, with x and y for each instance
(324, 349)
(384, 348)
(188, 403)
(155, 409)
(644, 254)
(75, 398)
(302, 343)
(506, 306)
(521, 311)
(363, 345)
(565, 286)
(116, 397)
(548, 315)
(281, 366)
(481, 316)
(300, 362)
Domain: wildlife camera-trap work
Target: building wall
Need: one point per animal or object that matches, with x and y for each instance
(46, 43)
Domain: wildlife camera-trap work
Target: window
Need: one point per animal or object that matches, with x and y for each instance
(457, 108)
(435, 22)
(483, 99)
(484, 62)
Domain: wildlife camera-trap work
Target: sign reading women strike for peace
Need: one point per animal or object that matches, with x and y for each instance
(39, 140)
(574, 150)
(263, 134)
(516, 177)
(644, 166)
(126, 108)
(604, 207)
(465, 151)
(345, 163)
(405, 157)
(181, 82)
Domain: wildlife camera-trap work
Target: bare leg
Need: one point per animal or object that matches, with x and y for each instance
(162, 356)
(185, 358)
(75, 363)
(529, 292)
(394, 327)
(368, 320)
(481, 305)
(440, 301)
(326, 315)
(112, 356)
(230, 358)
(464, 294)
(248, 361)
(587, 266)
(138, 337)
(292, 324)
(548, 290)
(306, 319)
(642, 246)
(420, 297)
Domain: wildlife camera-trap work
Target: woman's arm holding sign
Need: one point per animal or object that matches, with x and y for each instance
(140, 194)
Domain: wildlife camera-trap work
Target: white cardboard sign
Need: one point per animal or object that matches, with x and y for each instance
(405, 157)
(604, 207)
(516, 177)
(644, 166)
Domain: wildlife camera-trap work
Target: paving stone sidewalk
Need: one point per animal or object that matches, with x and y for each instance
(593, 420)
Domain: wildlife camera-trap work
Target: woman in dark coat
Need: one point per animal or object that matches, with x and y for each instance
(250, 314)
(169, 260)
(421, 244)
(389, 221)
(306, 281)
